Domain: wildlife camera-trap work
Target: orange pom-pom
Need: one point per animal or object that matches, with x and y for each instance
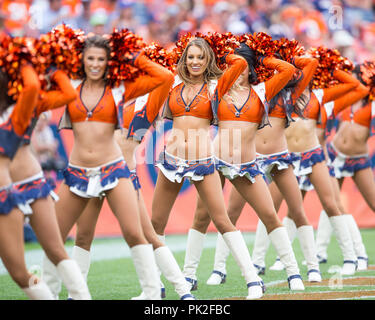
(14, 52)
(287, 49)
(124, 44)
(62, 48)
(263, 45)
(329, 60)
(161, 56)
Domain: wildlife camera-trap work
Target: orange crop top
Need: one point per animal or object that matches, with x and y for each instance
(362, 116)
(315, 109)
(106, 109)
(200, 105)
(253, 109)
(347, 100)
(306, 68)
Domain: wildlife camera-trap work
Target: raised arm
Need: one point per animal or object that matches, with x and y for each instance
(154, 77)
(308, 67)
(27, 100)
(57, 98)
(347, 83)
(236, 65)
(350, 98)
(143, 118)
(280, 79)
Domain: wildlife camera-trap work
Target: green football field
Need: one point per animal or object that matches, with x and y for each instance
(112, 275)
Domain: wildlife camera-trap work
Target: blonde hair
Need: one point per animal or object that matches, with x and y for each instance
(212, 71)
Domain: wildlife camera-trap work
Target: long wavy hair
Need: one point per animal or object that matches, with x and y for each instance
(212, 71)
(249, 55)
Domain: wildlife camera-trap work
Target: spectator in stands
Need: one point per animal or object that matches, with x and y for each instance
(99, 22)
(127, 18)
(82, 20)
(51, 15)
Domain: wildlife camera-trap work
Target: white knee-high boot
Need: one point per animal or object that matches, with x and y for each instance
(39, 291)
(261, 245)
(280, 240)
(194, 248)
(323, 236)
(359, 247)
(51, 277)
(172, 272)
(345, 241)
(73, 280)
(241, 255)
(291, 229)
(145, 266)
(222, 252)
(83, 259)
(142, 296)
(162, 239)
(307, 242)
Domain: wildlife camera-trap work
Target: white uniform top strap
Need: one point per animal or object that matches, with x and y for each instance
(319, 93)
(75, 83)
(372, 109)
(140, 102)
(6, 114)
(118, 93)
(329, 108)
(212, 87)
(260, 90)
(177, 81)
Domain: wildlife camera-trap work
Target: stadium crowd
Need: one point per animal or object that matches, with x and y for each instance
(345, 24)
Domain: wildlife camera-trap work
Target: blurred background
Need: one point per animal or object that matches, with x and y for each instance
(348, 25)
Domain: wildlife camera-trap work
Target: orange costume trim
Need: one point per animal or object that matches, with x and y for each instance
(200, 106)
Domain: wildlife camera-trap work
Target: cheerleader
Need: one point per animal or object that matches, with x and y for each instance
(243, 109)
(96, 166)
(138, 116)
(29, 180)
(274, 159)
(310, 166)
(347, 155)
(188, 151)
(15, 120)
